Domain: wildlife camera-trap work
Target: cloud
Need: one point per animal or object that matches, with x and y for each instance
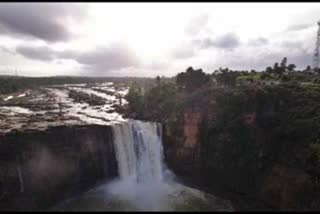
(300, 58)
(7, 50)
(298, 27)
(227, 41)
(260, 60)
(157, 65)
(255, 57)
(109, 58)
(183, 51)
(197, 24)
(258, 41)
(42, 53)
(43, 21)
(291, 45)
(307, 19)
(100, 59)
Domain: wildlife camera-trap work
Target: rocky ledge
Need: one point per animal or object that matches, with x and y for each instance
(54, 145)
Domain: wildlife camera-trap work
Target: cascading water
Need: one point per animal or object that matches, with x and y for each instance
(20, 178)
(139, 153)
(144, 183)
(138, 148)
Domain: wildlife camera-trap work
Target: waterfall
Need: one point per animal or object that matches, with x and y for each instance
(144, 182)
(142, 173)
(138, 147)
(20, 178)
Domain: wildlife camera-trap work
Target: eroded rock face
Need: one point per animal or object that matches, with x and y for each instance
(192, 120)
(253, 146)
(287, 188)
(40, 168)
(181, 147)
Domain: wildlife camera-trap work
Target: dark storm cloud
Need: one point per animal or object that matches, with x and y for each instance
(38, 53)
(108, 58)
(229, 40)
(39, 20)
(197, 24)
(101, 59)
(226, 41)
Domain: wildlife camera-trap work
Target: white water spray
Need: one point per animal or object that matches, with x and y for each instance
(138, 149)
(139, 154)
(144, 183)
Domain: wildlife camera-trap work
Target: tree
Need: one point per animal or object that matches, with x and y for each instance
(276, 68)
(158, 80)
(282, 68)
(308, 68)
(135, 98)
(269, 70)
(180, 80)
(265, 75)
(253, 71)
(291, 67)
(191, 79)
(160, 100)
(227, 77)
(283, 64)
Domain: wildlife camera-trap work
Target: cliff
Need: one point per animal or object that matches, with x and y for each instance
(255, 145)
(40, 168)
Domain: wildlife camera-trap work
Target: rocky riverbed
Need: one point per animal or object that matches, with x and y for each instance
(69, 104)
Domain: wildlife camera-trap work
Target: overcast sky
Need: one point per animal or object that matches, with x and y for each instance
(149, 39)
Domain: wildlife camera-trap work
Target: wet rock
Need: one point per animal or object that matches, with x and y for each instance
(88, 98)
(54, 164)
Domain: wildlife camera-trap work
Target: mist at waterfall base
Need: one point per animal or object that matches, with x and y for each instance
(143, 175)
(144, 183)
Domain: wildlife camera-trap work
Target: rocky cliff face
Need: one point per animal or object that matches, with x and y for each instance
(39, 168)
(192, 120)
(257, 147)
(287, 188)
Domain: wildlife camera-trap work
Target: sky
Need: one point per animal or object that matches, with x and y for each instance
(150, 39)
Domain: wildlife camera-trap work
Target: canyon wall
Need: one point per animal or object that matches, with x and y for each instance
(40, 168)
(259, 148)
